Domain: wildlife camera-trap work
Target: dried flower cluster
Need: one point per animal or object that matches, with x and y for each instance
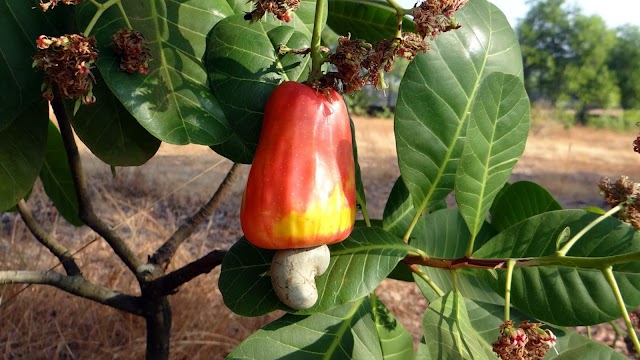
(50, 4)
(626, 192)
(436, 16)
(358, 63)
(526, 342)
(279, 8)
(636, 144)
(131, 47)
(66, 62)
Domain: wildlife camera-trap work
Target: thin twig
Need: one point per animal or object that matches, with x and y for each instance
(167, 284)
(76, 285)
(44, 238)
(86, 210)
(165, 253)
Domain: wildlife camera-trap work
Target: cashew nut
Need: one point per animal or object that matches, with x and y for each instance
(293, 275)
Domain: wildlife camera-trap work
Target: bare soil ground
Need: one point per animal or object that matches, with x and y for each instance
(147, 204)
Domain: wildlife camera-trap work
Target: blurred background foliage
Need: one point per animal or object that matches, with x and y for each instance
(584, 71)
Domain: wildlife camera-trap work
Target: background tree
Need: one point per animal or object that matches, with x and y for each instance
(545, 41)
(587, 80)
(624, 61)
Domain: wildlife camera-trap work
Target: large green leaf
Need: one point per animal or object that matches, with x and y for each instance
(520, 201)
(445, 235)
(56, 178)
(496, 135)
(172, 101)
(368, 20)
(21, 22)
(244, 67)
(395, 340)
(448, 331)
(22, 149)
(111, 132)
(436, 94)
(358, 264)
(564, 295)
(346, 332)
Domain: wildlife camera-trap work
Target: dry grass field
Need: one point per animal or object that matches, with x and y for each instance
(147, 204)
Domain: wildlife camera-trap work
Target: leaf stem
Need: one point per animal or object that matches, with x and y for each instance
(416, 270)
(573, 240)
(553, 260)
(608, 274)
(317, 58)
(101, 9)
(365, 213)
(124, 15)
(507, 292)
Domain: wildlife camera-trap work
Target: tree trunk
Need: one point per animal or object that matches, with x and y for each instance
(581, 115)
(158, 321)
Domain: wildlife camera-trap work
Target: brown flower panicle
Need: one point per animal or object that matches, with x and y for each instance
(281, 9)
(50, 4)
(131, 47)
(636, 144)
(435, 16)
(526, 342)
(359, 63)
(626, 192)
(66, 62)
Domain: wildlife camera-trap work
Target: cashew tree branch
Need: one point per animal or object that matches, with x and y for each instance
(168, 283)
(87, 215)
(44, 238)
(75, 285)
(165, 253)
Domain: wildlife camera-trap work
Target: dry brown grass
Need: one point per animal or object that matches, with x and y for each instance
(146, 204)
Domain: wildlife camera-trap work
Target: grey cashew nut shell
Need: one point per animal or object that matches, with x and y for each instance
(293, 275)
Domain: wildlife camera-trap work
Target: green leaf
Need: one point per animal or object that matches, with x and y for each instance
(399, 210)
(346, 332)
(445, 235)
(395, 340)
(360, 195)
(358, 264)
(448, 331)
(575, 346)
(243, 68)
(496, 136)
(21, 22)
(423, 350)
(111, 132)
(563, 295)
(368, 20)
(56, 178)
(436, 94)
(22, 149)
(520, 201)
(172, 101)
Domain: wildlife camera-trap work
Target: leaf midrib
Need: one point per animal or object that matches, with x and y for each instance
(342, 330)
(164, 67)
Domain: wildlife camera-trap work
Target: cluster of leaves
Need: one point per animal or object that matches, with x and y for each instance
(461, 122)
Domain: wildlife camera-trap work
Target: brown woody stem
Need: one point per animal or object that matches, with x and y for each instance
(85, 209)
(165, 253)
(76, 285)
(44, 238)
(167, 284)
